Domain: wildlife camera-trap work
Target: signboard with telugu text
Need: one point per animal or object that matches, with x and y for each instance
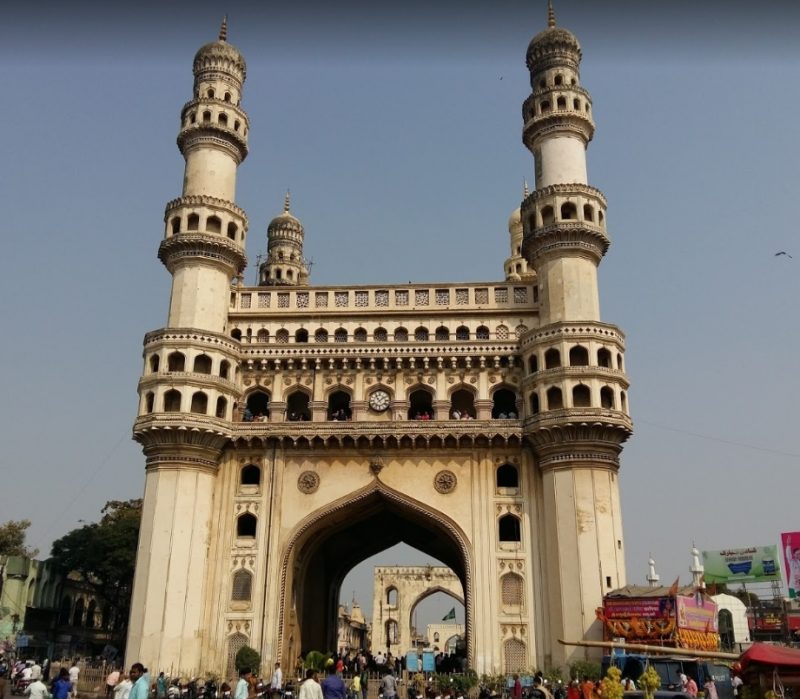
(641, 607)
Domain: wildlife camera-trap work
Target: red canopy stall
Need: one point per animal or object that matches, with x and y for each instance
(766, 668)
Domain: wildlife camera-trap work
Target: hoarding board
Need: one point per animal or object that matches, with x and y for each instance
(790, 545)
(753, 564)
(697, 615)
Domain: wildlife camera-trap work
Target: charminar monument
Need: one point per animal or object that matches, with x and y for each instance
(291, 431)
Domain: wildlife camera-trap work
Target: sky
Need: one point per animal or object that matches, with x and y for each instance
(397, 127)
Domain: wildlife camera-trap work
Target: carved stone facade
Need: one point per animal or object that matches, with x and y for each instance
(292, 431)
(397, 590)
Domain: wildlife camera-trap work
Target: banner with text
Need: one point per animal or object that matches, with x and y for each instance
(697, 615)
(753, 564)
(790, 545)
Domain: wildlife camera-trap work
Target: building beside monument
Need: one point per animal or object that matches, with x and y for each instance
(291, 431)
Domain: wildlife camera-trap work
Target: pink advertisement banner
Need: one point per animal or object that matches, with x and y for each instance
(790, 545)
(697, 616)
(645, 608)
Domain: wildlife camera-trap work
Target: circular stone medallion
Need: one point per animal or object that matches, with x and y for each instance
(445, 481)
(308, 482)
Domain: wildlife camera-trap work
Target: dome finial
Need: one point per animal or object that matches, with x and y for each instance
(525, 191)
(223, 29)
(287, 200)
(551, 14)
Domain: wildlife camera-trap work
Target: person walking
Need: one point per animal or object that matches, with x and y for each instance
(36, 689)
(62, 687)
(310, 689)
(389, 685)
(141, 686)
(276, 684)
(333, 686)
(243, 685)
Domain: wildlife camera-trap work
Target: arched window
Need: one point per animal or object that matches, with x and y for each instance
(176, 362)
(507, 476)
(504, 404)
(206, 117)
(222, 119)
(548, 216)
(501, 332)
(250, 475)
(321, 335)
(482, 333)
(77, 614)
(606, 397)
(149, 402)
(581, 396)
(552, 359)
(339, 406)
(155, 361)
(401, 335)
(235, 643)
(534, 403)
(246, 526)
(202, 364)
(236, 334)
(297, 407)
(262, 335)
(242, 586)
(380, 335)
(301, 335)
(600, 215)
(555, 401)
(360, 335)
(462, 333)
(172, 401)
(420, 405)
(588, 212)
(512, 590)
(509, 529)
(559, 79)
(210, 93)
(222, 408)
(91, 613)
(257, 407)
(622, 401)
(232, 229)
(392, 637)
(619, 361)
(576, 105)
(544, 106)
(391, 596)
(199, 403)
(213, 224)
(193, 222)
(64, 611)
(290, 276)
(561, 102)
(176, 225)
(578, 356)
(421, 334)
(533, 364)
(514, 660)
(604, 357)
(282, 336)
(436, 637)
(340, 335)
(442, 334)
(462, 404)
(227, 97)
(568, 211)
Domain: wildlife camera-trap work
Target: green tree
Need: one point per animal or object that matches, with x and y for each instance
(12, 538)
(104, 554)
(247, 658)
(584, 668)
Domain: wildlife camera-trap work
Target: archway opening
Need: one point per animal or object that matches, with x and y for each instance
(336, 541)
(420, 405)
(297, 407)
(339, 406)
(462, 405)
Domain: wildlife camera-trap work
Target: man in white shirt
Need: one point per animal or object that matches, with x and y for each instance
(36, 689)
(74, 671)
(276, 684)
(36, 671)
(310, 689)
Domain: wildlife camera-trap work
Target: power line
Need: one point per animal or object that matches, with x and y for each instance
(710, 438)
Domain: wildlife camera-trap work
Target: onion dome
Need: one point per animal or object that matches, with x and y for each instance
(285, 221)
(554, 44)
(220, 53)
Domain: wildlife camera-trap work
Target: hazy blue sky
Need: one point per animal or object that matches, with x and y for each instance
(397, 127)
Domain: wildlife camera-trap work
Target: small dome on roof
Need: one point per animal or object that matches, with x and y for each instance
(285, 219)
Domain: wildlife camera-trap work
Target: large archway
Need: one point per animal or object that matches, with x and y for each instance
(331, 541)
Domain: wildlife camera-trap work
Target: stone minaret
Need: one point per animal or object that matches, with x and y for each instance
(576, 388)
(285, 264)
(187, 392)
(516, 266)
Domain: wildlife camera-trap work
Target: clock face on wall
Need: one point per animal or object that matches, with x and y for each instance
(379, 400)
